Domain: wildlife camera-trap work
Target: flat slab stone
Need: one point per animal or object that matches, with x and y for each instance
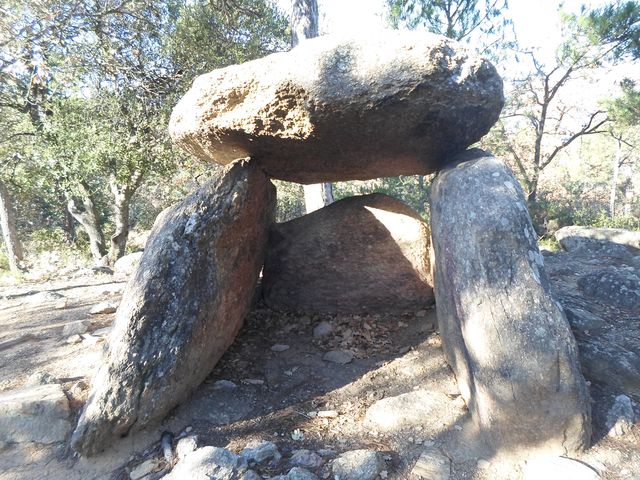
(35, 414)
(405, 410)
(431, 465)
(338, 108)
(575, 238)
(504, 334)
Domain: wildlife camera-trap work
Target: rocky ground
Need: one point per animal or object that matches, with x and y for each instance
(350, 396)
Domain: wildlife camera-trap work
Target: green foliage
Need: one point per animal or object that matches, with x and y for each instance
(625, 109)
(4, 261)
(54, 239)
(210, 35)
(290, 200)
(549, 243)
(615, 26)
(86, 92)
(412, 190)
(455, 19)
(482, 23)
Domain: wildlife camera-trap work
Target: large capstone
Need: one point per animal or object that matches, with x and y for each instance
(367, 253)
(184, 305)
(337, 108)
(504, 335)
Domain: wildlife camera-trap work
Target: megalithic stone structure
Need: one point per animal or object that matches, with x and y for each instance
(334, 109)
(505, 336)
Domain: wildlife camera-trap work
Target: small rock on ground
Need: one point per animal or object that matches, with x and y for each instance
(279, 347)
(306, 459)
(102, 332)
(104, 308)
(73, 339)
(358, 465)
(432, 465)
(75, 328)
(209, 462)
(341, 357)
(323, 329)
(296, 473)
(34, 414)
(224, 385)
(260, 451)
(61, 304)
(40, 378)
(145, 468)
(186, 445)
(406, 410)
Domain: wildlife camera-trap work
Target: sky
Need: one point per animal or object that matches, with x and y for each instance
(536, 22)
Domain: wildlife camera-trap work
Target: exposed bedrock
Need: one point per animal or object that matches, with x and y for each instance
(184, 305)
(506, 338)
(368, 253)
(338, 108)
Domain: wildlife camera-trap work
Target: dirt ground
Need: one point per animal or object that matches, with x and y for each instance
(278, 391)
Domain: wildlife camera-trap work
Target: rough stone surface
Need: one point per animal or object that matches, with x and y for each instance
(608, 334)
(35, 414)
(432, 465)
(621, 416)
(104, 308)
(76, 328)
(358, 465)
(337, 108)
(504, 335)
(186, 445)
(607, 241)
(127, 264)
(184, 305)
(615, 285)
(406, 410)
(145, 468)
(40, 378)
(306, 459)
(209, 462)
(261, 451)
(341, 357)
(364, 253)
(323, 329)
(296, 473)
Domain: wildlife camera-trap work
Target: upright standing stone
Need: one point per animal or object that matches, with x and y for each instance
(184, 305)
(506, 338)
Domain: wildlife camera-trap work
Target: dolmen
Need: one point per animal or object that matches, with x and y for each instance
(337, 108)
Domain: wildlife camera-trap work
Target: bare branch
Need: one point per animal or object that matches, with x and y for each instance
(589, 128)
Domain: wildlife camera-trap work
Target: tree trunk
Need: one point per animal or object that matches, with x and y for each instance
(614, 178)
(122, 201)
(68, 223)
(317, 195)
(87, 216)
(9, 230)
(304, 20)
(304, 24)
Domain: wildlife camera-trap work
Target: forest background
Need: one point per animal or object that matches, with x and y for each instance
(87, 87)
